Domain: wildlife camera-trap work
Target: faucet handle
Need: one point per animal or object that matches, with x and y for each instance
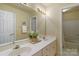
(16, 47)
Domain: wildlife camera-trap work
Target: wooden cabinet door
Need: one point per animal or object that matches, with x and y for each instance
(46, 51)
(38, 53)
(53, 48)
(49, 50)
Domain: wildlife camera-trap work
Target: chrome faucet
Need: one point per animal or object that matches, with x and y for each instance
(16, 47)
(44, 38)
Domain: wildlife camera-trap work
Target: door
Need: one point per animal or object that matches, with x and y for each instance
(7, 26)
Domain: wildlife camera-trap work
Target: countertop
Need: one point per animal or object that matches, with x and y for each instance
(34, 47)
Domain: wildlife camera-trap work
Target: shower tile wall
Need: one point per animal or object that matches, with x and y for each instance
(71, 33)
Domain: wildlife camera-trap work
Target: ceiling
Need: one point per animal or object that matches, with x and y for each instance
(76, 8)
(58, 5)
(51, 6)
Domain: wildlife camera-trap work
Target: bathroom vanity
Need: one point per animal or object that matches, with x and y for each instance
(20, 21)
(46, 47)
(49, 50)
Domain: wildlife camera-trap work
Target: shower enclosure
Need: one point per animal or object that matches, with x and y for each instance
(71, 30)
(71, 34)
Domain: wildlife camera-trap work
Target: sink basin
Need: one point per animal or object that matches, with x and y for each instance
(20, 51)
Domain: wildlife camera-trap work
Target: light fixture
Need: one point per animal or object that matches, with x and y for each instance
(41, 11)
(65, 10)
(22, 4)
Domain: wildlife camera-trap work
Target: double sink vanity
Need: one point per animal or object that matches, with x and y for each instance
(46, 47)
(23, 22)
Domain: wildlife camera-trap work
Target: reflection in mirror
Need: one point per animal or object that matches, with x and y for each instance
(33, 24)
(7, 27)
(24, 27)
(11, 26)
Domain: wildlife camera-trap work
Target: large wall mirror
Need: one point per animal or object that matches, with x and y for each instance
(15, 23)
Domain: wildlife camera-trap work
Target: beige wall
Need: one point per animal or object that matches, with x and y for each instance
(21, 16)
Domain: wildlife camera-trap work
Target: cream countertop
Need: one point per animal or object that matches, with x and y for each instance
(34, 47)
